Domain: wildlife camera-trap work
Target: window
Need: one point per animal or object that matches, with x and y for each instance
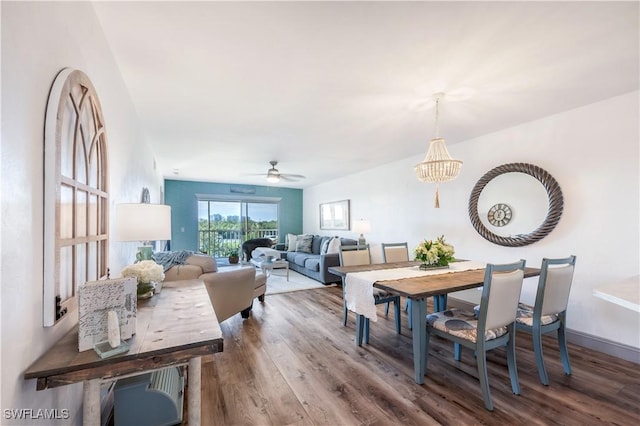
(224, 224)
(76, 195)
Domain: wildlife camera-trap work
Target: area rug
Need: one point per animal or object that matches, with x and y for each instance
(277, 282)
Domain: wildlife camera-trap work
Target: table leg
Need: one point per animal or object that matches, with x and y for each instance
(195, 384)
(419, 333)
(91, 402)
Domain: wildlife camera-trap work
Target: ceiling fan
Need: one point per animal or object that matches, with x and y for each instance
(273, 175)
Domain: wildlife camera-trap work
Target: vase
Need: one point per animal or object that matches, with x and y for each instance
(426, 267)
(145, 290)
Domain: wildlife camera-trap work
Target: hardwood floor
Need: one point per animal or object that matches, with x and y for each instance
(293, 363)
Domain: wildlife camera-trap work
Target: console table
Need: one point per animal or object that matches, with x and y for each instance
(175, 327)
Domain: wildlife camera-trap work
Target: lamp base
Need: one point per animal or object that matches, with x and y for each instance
(144, 253)
(361, 240)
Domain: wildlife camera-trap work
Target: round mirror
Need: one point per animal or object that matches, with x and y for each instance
(508, 202)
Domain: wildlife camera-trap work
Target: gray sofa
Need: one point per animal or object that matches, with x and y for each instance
(315, 265)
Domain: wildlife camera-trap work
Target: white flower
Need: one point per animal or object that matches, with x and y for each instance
(436, 252)
(145, 271)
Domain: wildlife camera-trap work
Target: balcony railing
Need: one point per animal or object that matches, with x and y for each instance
(218, 242)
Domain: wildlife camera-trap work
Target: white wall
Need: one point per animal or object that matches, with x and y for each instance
(38, 40)
(593, 153)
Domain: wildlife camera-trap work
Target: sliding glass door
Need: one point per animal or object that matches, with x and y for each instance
(223, 225)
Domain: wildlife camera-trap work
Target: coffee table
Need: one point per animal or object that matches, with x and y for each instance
(268, 267)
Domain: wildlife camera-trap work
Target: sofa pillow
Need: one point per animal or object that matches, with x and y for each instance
(304, 243)
(317, 244)
(334, 245)
(325, 245)
(291, 242)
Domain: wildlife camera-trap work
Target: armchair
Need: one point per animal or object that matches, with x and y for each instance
(230, 291)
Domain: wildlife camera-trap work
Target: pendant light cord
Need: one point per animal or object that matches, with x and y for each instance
(437, 114)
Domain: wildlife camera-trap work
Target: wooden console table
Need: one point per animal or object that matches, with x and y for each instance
(175, 327)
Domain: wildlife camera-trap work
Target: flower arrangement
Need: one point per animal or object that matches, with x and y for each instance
(435, 253)
(146, 272)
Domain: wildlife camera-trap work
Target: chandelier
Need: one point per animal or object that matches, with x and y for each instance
(438, 166)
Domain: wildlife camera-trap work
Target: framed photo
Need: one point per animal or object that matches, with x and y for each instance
(335, 215)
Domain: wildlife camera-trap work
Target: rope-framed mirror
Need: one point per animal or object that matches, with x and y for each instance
(552, 218)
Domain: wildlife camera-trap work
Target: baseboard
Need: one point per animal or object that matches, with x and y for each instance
(619, 350)
(599, 344)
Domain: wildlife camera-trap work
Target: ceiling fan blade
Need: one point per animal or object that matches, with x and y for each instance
(293, 176)
(288, 178)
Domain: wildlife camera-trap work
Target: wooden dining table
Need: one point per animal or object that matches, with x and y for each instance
(419, 289)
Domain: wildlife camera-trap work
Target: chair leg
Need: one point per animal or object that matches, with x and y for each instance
(408, 309)
(396, 308)
(367, 328)
(344, 314)
(457, 351)
(511, 363)
(537, 350)
(360, 329)
(344, 303)
(564, 352)
(484, 379)
(407, 303)
(386, 309)
(426, 352)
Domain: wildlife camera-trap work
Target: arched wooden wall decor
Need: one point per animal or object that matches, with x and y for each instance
(76, 196)
(553, 213)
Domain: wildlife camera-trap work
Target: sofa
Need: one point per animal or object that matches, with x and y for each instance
(314, 263)
(231, 290)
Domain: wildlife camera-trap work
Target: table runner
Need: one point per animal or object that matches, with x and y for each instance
(359, 291)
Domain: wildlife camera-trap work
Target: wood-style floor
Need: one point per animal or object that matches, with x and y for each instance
(293, 363)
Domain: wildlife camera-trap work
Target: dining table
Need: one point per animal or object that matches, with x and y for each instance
(418, 289)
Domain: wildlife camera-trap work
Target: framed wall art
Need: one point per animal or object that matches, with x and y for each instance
(335, 215)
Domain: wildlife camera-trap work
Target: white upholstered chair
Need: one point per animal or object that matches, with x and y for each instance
(494, 326)
(549, 313)
(361, 255)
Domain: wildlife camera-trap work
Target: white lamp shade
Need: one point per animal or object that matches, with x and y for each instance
(361, 226)
(143, 222)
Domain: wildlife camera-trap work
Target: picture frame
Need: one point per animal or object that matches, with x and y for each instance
(335, 215)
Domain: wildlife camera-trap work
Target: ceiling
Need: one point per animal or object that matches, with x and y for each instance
(332, 88)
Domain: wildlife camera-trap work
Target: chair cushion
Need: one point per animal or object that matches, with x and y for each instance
(461, 324)
(525, 316)
(381, 296)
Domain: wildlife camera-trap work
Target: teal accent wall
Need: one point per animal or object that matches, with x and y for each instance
(181, 196)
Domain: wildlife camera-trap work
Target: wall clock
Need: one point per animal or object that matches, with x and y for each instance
(499, 214)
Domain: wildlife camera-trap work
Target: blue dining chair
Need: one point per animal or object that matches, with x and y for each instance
(549, 313)
(493, 327)
(360, 255)
(399, 252)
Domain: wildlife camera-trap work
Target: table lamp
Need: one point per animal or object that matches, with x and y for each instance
(361, 226)
(145, 223)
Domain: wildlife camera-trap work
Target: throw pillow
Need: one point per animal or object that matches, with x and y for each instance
(291, 242)
(304, 243)
(334, 245)
(325, 245)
